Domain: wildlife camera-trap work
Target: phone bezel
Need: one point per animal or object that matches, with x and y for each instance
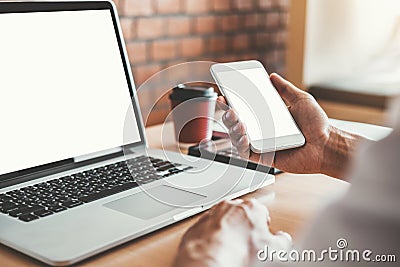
(263, 145)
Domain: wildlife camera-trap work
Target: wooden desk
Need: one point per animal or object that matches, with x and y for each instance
(293, 202)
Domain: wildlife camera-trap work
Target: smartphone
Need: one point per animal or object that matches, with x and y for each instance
(249, 91)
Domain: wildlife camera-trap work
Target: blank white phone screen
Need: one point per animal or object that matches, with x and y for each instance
(251, 93)
(63, 90)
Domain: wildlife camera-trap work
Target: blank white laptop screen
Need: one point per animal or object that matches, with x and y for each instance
(63, 90)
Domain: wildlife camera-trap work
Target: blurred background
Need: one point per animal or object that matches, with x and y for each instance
(161, 33)
(351, 56)
(345, 52)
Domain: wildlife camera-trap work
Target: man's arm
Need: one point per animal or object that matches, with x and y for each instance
(339, 152)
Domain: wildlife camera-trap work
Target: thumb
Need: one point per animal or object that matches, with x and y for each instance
(286, 90)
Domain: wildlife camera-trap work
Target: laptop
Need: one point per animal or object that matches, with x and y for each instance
(76, 175)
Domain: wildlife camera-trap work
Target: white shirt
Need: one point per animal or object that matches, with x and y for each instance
(368, 216)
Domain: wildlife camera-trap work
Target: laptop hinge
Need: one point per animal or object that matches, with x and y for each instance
(97, 154)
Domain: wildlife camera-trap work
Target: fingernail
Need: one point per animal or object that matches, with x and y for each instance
(241, 140)
(286, 235)
(237, 201)
(228, 115)
(235, 128)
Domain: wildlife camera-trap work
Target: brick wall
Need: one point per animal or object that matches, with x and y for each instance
(160, 33)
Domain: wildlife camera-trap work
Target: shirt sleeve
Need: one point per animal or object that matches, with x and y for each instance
(367, 218)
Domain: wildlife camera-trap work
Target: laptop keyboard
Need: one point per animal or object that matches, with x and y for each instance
(57, 195)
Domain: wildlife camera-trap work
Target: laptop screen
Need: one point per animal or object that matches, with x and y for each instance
(64, 92)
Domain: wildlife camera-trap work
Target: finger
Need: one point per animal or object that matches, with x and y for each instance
(236, 201)
(204, 217)
(241, 141)
(237, 131)
(284, 239)
(257, 207)
(243, 146)
(253, 203)
(256, 212)
(244, 151)
(286, 90)
(222, 100)
(221, 103)
(227, 203)
(230, 118)
(222, 207)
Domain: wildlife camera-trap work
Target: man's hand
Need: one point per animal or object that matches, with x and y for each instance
(327, 149)
(230, 234)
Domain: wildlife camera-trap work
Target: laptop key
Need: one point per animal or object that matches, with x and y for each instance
(43, 213)
(165, 167)
(5, 198)
(28, 217)
(72, 203)
(31, 209)
(18, 211)
(8, 207)
(15, 213)
(161, 163)
(57, 208)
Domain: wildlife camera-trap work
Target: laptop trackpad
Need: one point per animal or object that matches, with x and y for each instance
(145, 207)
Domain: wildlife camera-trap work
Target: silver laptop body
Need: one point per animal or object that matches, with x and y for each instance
(66, 99)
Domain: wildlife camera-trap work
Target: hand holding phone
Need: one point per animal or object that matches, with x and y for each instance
(248, 90)
(322, 152)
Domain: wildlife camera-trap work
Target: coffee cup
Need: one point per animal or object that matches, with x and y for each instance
(193, 108)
